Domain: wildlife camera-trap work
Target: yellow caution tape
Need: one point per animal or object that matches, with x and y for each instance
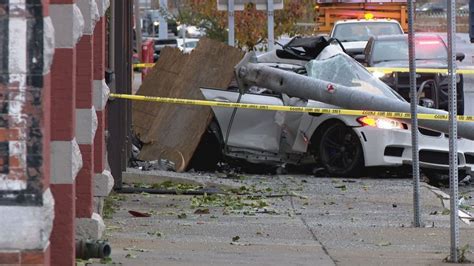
(143, 65)
(388, 70)
(462, 118)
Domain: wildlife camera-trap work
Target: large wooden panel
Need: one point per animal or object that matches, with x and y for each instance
(174, 131)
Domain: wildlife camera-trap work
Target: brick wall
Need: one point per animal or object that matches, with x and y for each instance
(26, 204)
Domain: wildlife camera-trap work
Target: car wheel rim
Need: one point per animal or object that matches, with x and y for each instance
(340, 149)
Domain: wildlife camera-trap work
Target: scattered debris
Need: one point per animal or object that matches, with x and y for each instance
(107, 260)
(155, 233)
(202, 211)
(136, 249)
(131, 256)
(139, 214)
(240, 244)
(162, 164)
(461, 255)
(384, 244)
(111, 204)
(445, 212)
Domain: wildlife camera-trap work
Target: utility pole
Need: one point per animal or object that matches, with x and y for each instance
(271, 24)
(231, 14)
(138, 28)
(163, 30)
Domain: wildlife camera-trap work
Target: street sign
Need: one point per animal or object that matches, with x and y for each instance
(239, 5)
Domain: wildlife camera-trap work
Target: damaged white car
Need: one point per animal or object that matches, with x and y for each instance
(343, 145)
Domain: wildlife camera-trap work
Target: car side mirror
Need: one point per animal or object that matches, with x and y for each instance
(360, 58)
(426, 102)
(460, 56)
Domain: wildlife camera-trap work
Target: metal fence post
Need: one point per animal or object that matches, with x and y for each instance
(453, 133)
(271, 26)
(414, 112)
(231, 13)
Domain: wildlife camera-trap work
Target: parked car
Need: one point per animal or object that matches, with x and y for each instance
(431, 52)
(343, 145)
(354, 33)
(464, 8)
(187, 45)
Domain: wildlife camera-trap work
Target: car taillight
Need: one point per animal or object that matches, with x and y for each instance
(380, 122)
(434, 42)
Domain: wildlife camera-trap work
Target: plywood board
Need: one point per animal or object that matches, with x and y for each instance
(174, 131)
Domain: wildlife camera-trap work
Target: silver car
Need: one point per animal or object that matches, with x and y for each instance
(343, 145)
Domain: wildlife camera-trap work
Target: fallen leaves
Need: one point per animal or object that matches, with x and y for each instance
(202, 211)
(139, 214)
(384, 244)
(155, 233)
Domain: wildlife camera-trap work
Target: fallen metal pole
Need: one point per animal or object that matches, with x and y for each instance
(296, 85)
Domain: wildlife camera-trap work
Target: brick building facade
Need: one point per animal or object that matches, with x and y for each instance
(53, 97)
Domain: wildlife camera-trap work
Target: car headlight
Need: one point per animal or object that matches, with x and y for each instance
(380, 122)
(379, 74)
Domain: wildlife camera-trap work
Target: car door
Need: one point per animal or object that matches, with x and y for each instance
(250, 129)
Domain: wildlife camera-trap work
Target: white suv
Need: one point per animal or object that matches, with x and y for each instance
(355, 33)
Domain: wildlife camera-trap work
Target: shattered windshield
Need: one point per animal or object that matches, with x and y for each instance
(342, 69)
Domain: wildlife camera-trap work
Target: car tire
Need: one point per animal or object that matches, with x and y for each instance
(340, 151)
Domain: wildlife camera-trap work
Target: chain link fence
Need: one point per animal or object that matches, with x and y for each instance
(436, 21)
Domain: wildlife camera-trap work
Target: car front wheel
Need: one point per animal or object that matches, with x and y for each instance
(340, 151)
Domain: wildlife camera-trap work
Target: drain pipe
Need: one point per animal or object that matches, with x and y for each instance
(92, 249)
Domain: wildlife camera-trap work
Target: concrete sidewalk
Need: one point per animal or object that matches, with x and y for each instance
(320, 221)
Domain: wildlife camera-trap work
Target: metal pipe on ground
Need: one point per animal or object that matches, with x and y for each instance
(296, 85)
(92, 249)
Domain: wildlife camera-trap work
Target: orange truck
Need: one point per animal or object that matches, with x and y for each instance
(330, 12)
